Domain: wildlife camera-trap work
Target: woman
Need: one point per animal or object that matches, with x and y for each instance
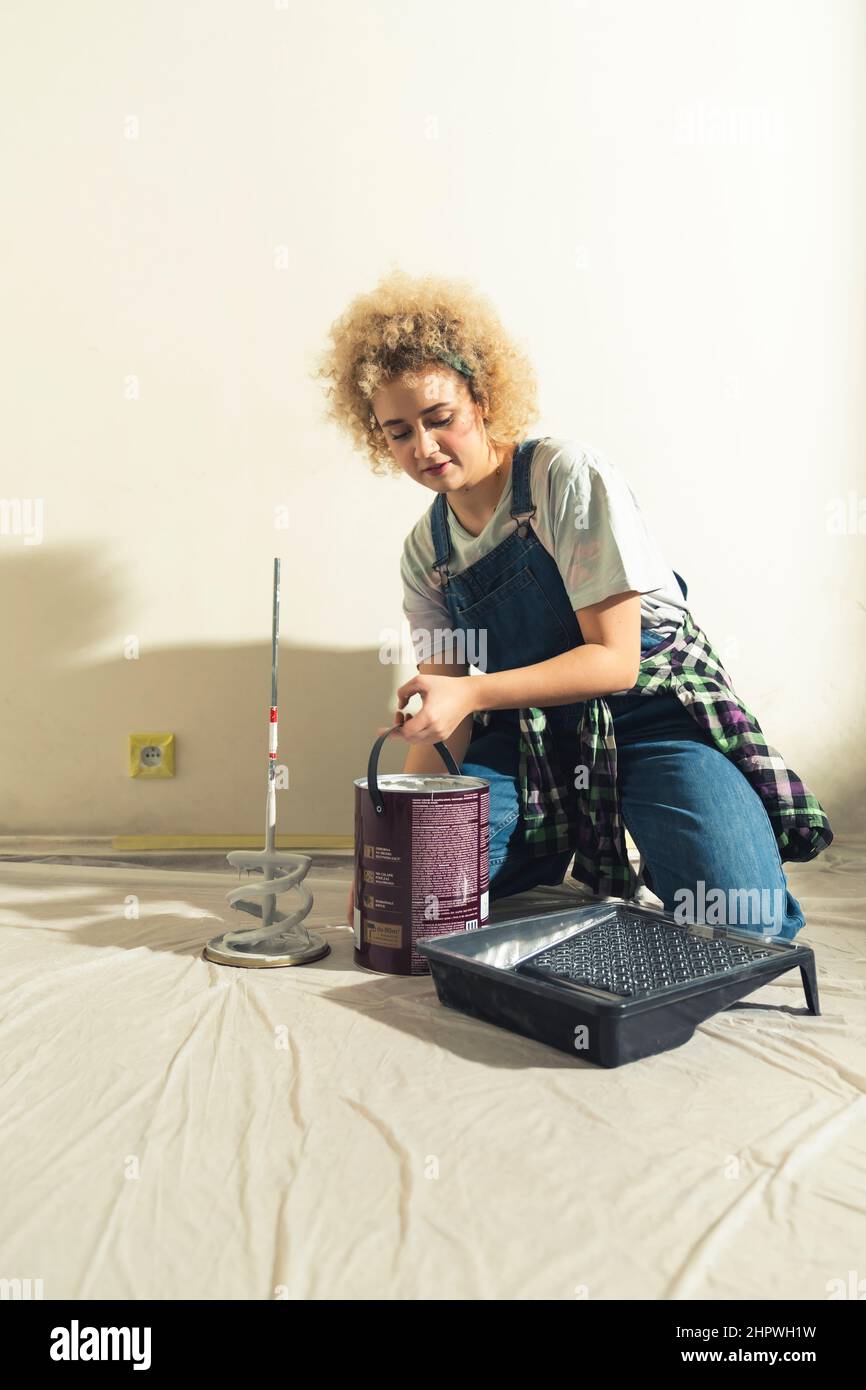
(600, 703)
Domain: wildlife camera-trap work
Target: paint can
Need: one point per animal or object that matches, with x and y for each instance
(421, 861)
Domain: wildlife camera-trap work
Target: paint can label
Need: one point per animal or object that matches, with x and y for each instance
(421, 869)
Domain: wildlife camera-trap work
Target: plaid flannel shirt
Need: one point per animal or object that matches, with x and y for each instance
(557, 815)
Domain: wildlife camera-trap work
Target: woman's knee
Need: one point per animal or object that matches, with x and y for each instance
(768, 910)
(743, 892)
(711, 852)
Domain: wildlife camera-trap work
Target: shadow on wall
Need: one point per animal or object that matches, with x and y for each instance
(67, 712)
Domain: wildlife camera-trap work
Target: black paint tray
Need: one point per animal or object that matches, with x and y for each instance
(607, 982)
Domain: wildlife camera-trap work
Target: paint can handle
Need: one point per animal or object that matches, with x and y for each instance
(373, 786)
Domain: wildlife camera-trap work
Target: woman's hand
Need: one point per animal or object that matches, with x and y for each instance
(446, 701)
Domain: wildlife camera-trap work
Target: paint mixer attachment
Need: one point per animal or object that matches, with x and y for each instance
(282, 939)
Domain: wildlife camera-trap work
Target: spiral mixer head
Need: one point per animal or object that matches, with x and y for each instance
(282, 939)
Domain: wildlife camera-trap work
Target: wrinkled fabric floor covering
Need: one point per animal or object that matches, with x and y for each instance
(176, 1129)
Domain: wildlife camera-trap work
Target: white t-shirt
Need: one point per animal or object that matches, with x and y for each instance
(587, 518)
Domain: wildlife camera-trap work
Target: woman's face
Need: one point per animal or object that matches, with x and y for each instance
(429, 418)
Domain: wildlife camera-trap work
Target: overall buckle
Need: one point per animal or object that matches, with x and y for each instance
(523, 519)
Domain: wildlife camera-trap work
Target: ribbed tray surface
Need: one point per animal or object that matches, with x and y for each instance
(627, 954)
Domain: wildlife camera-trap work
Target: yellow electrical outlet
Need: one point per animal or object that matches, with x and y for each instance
(151, 755)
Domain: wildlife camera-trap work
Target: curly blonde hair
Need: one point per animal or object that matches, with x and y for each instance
(405, 324)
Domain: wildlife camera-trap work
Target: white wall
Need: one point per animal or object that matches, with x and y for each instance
(666, 203)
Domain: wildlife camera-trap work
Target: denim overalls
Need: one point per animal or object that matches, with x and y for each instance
(692, 814)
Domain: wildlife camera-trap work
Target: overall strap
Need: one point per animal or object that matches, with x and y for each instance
(522, 505)
(522, 509)
(441, 534)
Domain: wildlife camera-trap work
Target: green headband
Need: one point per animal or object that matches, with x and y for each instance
(453, 360)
